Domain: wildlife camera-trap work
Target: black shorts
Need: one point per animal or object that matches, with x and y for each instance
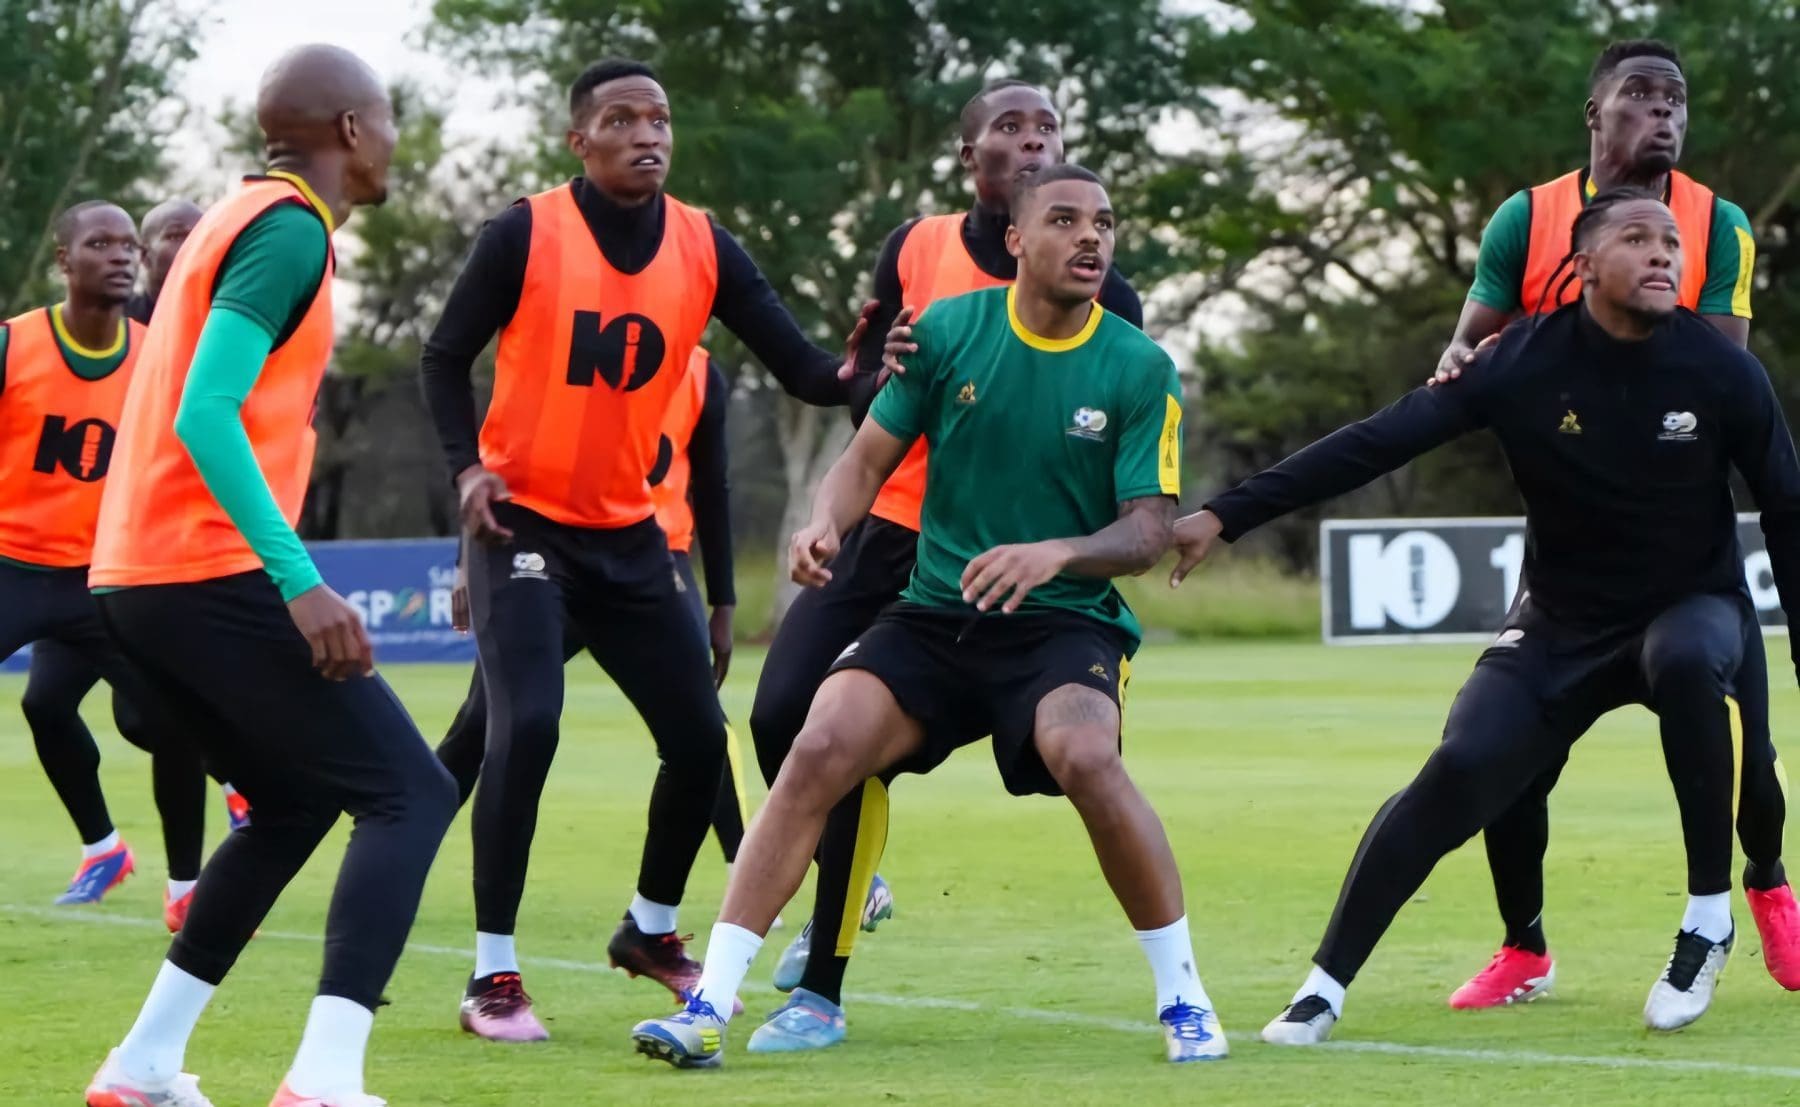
(964, 680)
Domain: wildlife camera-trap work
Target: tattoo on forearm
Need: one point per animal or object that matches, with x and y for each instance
(1132, 543)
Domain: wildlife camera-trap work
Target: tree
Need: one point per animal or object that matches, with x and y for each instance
(812, 128)
(84, 111)
(1360, 148)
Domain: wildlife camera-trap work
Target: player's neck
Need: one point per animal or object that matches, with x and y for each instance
(1604, 173)
(94, 325)
(1047, 317)
(621, 203)
(323, 180)
(1618, 323)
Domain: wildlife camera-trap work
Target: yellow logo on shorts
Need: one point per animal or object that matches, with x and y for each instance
(1570, 424)
(1099, 671)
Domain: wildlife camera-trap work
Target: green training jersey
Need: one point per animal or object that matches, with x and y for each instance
(1030, 439)
(1505, 242)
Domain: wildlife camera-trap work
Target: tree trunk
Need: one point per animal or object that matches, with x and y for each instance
(811, 438)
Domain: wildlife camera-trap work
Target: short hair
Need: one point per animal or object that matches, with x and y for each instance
(1050, 174)
(1595, 215)
(973, 111)
(591, 78)
(66, 224)
(1624, 50)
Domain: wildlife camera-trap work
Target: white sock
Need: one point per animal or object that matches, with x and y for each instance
(652, 917)
(330, 1059)
(494, 953)
(729, 953)
(153, 1051)
(1710, 915)
(1170, 950)
(179, 888)
(1322, 984)
(104, 845)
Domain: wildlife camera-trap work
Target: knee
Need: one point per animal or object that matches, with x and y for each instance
(819, 769)
(1083, 760)
(1687, 667)
(47, 709)
(432, 795)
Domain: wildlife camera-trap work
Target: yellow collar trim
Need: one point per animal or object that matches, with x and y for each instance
(67, 339)
(1050, 345)
(306, 191)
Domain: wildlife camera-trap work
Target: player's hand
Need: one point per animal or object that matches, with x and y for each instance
(1009, 573)
(1459, 356)
(1194, 538)
(853, 344)
(899, 345)
(718, 628)
(340, 645)
(811, 549)
(477, 490)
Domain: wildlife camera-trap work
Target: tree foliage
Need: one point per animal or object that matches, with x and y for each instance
(85, 108)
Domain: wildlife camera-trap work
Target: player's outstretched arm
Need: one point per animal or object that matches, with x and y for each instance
(1351, 456)
(1129, 545)
(1762, 449)
(844, 497)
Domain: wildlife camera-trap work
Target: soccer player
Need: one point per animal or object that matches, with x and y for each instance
(1637, 116)
(599, 290)
(690, 456)
(1008, 130)
(166, 227)
(1010, 625)
(1621, 417)
(204, 584)
(64, 370)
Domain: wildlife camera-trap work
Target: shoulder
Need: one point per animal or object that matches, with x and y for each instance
(1140, 361)
(1728, 222)
(1513, 213)
(1724, 360)
(896, 238)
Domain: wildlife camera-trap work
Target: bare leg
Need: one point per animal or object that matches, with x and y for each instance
(854, 730)
(1077, 735)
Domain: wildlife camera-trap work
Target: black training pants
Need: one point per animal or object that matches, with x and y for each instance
(224, 659)
(53, 609)
(1517, 841)
(615, 589)
(465, 742)
(1531, 696)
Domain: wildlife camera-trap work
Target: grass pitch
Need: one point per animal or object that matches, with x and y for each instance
(1008, 974)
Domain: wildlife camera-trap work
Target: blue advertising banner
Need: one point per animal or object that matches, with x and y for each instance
(402, 590)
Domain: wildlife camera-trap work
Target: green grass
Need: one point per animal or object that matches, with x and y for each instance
(1265, 760)
(1230, 598)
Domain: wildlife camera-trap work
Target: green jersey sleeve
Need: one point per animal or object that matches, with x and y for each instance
(1149, 458)
(901, 406)
(263, 278)
(1505, 245)
(1730, 263)
(227, 362)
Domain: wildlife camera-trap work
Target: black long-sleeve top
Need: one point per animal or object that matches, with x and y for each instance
(984, 236)
(709, 490)
(486, 294)
(1622, 452)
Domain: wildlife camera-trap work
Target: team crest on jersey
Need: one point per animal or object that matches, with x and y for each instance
(966, 394)
(1678, 426)
(1088, 423)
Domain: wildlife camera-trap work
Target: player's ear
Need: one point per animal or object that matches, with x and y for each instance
(1015, 243)
(577, 143)
(348, 129)
(1583, 266)
(1591, 114)
(966, 155)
